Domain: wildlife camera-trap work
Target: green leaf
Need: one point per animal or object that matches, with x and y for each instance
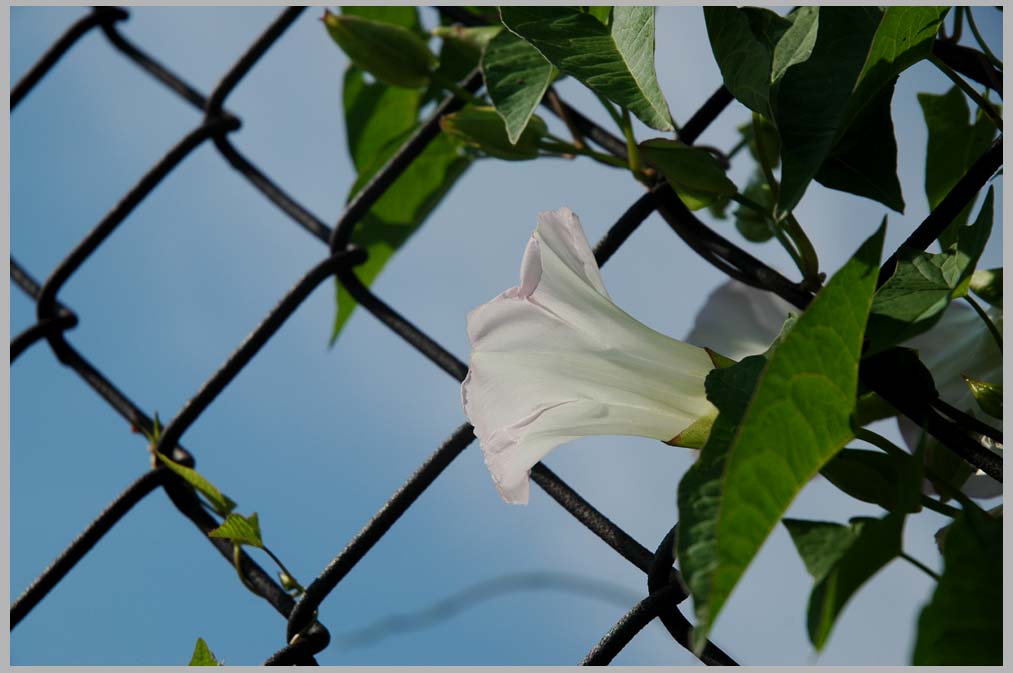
(913, 298)
(864, 160)
(797, 418)
(987, 395)
(694, 173)
(962, 624)
(904, 36)
(796, 43)
(601, 12)
(516, 77)
(398, 15)
(987, 284)
(821, 544)
(458, 57)
(400, 212)
(768, 140)
(751, 224)
(809, 100)
(221, 503)
(871, 476)
(743, 41)
(483, 128)
(240, 529)
(954, 144)
(474, 38)
(378, 118)
(393, 54)
(845, 561)
(616, 61)
(202, 656)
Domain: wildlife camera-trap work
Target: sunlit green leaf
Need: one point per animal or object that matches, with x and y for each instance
(516, 77)
(617, 61)
(240, 529)
(962, 624)
(221, 503)
(794, 422)
(913, 298)
(202, 656)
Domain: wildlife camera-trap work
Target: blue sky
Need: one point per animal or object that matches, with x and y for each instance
(316, 439)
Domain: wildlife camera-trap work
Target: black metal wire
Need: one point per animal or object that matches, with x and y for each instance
(84, 542)
(99, 16)
(305, 635)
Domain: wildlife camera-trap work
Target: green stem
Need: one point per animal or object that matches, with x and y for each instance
(810, 261)
(958, 25)
(981, 41)
(921, 566)
(993, 330)
(237, 558)
(283, 568)
(761, 151)
(559, 146)
(632, 150)
(978, 99)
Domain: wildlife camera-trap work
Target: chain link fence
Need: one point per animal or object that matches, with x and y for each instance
(304, 636)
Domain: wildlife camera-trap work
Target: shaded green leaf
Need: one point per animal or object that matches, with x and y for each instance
(483, 128)
(954, 144)
(240, 529)
(202, 655)
(820, 544)
(516, 77)
(987, 284)
(693, 172)
(221, 503)
(616, 61)
(871, 476)
(846, 561)
(987, 395)
(962, 624)
(797, 418)
(809, 100)
(913, 298)
(393, 54)
(768, 140)
(401, 210)
(743, 41)
(864, 159)
(405, 16)
(458, 57)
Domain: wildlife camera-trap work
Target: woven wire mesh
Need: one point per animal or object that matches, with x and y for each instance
(305, 637)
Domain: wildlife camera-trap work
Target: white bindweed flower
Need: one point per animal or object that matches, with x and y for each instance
(554, 359)
(738, 320)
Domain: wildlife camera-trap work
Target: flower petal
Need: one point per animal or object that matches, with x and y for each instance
(554, 359)
(738, 320)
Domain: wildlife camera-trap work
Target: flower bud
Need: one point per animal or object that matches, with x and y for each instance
(482, 127)
(392, 54)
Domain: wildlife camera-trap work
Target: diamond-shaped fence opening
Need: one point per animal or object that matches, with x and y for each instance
(305, 636)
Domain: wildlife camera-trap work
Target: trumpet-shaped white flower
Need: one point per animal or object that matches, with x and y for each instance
(554, 359)
(738, 320)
